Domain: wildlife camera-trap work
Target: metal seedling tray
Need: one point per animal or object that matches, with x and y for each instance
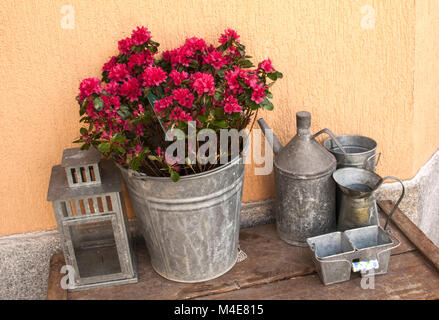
(370, 243)
(332, 254)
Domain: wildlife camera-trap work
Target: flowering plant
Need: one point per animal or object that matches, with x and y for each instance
(140, 97)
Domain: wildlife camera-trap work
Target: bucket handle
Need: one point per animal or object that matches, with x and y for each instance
(329, 132)
(313, 249)
(397, 202)
(389, 232)
(366, 162)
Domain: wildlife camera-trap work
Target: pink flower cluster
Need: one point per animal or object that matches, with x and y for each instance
(214, 86)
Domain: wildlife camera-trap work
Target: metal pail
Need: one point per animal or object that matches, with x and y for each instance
(191, 227)
(360, 151)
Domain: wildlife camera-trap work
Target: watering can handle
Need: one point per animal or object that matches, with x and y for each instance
(397, 202)
(329, 132)
(366, 162)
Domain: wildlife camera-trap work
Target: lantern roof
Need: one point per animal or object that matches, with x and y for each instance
(60, 190)
(75, 157)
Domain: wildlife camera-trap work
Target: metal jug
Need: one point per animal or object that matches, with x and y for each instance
(305, 190)
(358, 206)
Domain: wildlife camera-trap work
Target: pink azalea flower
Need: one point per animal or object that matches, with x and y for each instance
(163, 104)
(177, 114)
(266, 66)
(195, 44)
(203, 83)
(110, 64)
(153, 76)
(131, 89)
(139, 59)
(112, 87)
(231, 105)
(88, 87)
(216, 59)
(183, 97)
(229, 34)
(119, 72)
(140, 36)
(125, 45)
(178, 77)
(258, 94)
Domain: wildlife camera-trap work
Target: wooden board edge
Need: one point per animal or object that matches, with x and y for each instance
(428, 249)
(54, 290)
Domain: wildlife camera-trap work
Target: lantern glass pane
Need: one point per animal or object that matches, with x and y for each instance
(95, 249)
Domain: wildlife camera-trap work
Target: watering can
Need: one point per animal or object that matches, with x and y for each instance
(358, 206)
(305, 190)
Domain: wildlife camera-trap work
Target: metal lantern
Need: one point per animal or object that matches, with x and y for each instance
(91, 217)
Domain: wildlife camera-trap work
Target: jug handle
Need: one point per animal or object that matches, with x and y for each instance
(329, 132)
(397, 202)
(375, 162)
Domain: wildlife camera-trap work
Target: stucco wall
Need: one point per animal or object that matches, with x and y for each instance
(352, 76)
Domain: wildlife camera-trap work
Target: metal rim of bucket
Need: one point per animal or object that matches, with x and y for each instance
(340, 137)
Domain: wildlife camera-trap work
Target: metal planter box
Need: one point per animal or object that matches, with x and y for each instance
(332, 254)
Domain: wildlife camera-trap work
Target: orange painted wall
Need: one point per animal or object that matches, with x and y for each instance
(352, 79)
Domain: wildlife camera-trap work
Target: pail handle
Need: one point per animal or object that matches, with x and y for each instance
(313, 249)
(329, 132)
(366, 162)
(397, 202)
(389, 232)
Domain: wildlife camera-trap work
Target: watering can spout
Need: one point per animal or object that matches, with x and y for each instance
(269, 135)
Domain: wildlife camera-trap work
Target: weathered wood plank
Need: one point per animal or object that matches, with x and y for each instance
(413, 233)
(54, 290)
(408, 277)
(269, 260)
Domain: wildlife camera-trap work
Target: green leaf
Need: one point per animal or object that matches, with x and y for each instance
(120, 148)
(135, 164)
(174, 175)
(104, 147)
(85, 147)
(266, 104)
(221, 124)
(83, 131)
(153, 158)
(279, 75)
(119, 138)
(273, 76)
(98, 103)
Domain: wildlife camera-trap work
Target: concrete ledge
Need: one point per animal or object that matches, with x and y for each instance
(24, 264)
(421, 202)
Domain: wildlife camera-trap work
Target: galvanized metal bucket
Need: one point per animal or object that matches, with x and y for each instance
(360, 151)
(191, 227)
